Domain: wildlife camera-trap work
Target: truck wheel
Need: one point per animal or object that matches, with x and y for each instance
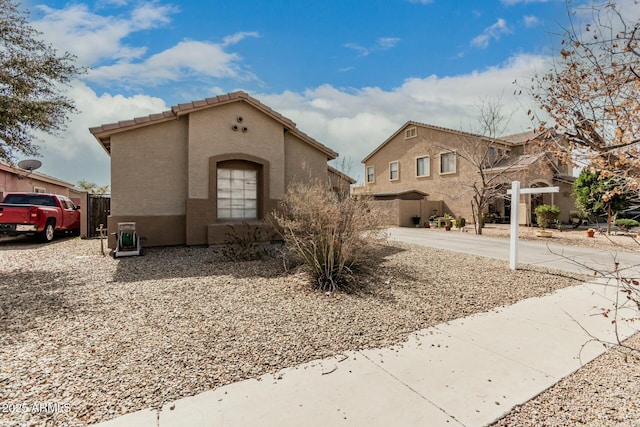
(47, 234)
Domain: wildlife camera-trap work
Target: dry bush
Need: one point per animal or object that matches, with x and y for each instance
(246, 243)
(332, 237)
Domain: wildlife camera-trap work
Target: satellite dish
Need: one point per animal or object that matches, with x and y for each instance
(29, 165)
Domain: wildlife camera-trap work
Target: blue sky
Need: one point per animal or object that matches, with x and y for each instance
(348, 72)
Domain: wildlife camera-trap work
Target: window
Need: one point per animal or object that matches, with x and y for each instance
(237, 194)
(411, 133)
(38, 189)
(371, 177)
(423, 166)
(394, 171)
(448, 162)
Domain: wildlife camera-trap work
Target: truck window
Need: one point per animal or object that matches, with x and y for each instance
(29, 199)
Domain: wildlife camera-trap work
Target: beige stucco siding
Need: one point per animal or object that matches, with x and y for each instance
(303, 161)
(148, 170)
(428, 143)
(453, 189)
(211, 134)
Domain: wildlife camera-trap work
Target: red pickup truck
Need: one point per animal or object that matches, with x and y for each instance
(38, 214)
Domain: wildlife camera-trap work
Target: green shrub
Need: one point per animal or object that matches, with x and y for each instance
(460, 222)
(331, 237)
(627, 224)
(546, 215)
(447, 220)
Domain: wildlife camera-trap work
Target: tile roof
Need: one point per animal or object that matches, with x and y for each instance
(434, 127)
(522, 137)
(103, 133)
(518, 162)
(341, 174)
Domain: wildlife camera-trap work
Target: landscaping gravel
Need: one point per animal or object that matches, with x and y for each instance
(602, 393)
(86, 338)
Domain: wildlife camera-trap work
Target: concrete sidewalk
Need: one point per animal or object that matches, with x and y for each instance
(467, 372)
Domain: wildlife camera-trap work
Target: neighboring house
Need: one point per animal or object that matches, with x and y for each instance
(340, 182)
(14, 179)
(420, 170)
(184, 175)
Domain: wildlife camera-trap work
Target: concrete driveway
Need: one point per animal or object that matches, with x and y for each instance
(548, 254)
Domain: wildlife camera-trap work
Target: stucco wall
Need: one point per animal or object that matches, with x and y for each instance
(211, 134)
(452, 189)
(149, 170)
(9, 182)
(303, 162)
(429, 142)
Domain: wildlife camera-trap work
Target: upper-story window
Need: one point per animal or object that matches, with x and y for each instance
(39, 189)
(394, 171)
(411, 133)
(423, 167)
(371, 177)
(447, 162)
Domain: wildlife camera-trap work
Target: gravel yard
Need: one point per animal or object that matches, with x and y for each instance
(101, 337)
(603, 393)
(574, 237)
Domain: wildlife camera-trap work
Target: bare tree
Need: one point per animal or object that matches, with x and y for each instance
(489, 159)
(591, 95)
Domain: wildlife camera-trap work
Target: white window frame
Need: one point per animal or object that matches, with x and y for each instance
(37, 189)
(397, 163)
(455, 162)
(373, 174)
(428, 162)
(411, 132)
(242, 195)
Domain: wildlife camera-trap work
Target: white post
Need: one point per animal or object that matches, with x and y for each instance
(515, 219)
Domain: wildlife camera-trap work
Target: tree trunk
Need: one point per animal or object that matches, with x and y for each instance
(477, 217)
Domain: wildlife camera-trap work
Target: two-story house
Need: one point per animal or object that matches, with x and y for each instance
(424, 170)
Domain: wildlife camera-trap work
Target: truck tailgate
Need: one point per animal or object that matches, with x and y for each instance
(14, 214)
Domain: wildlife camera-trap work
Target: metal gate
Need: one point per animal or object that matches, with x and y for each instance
(97, 212)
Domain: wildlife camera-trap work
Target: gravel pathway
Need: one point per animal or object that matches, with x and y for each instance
(85, 338)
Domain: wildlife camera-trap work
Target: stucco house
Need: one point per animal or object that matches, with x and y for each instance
(422, 170)
(185, 174)
(14, 179)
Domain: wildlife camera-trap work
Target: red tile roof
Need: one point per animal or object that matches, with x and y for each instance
(103, 133)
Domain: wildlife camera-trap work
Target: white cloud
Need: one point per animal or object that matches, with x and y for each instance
(354, 122)
(76, 154)
(382, 43)
(238, 37)
(492, 32)
(350, 121)
(187, 58)
(98, 42)
(530, 21)
(387, 42)
(93, 37)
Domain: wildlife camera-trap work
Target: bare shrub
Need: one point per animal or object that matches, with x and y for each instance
(330, 236)
(246, 243)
